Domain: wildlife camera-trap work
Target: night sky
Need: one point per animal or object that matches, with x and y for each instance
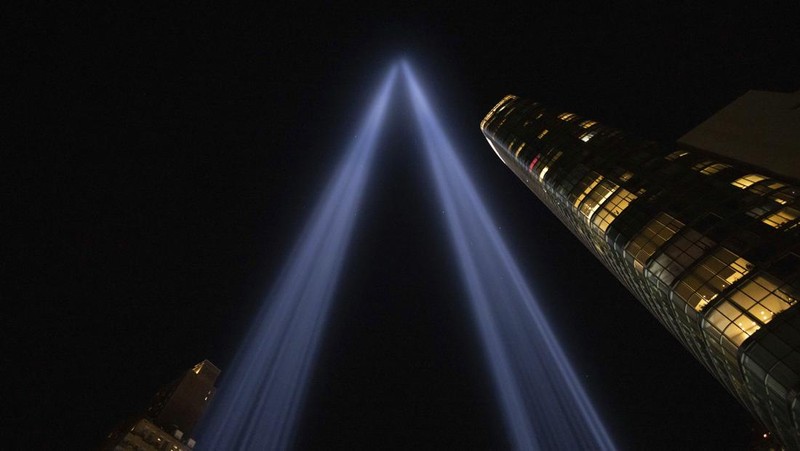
(160, 160)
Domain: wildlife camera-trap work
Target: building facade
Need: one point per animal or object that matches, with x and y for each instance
(172, 415)
(707, 243)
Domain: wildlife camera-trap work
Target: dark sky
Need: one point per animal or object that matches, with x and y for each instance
(161, 158)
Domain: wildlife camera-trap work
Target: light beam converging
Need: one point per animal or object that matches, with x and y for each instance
(544, 404)
(258, 402)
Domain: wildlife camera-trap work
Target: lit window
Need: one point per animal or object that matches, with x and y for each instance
(678, 255)
(588, 135)
(566, 116)
(785, 195)
(714, 168)
(781, 217)
(763, 297)
(595, 199)
(715, 273)
(505, 102)
(548, 164)
(544, 171)
(677, 154)
(541, 135)
(748, 180)
(587, 124)
(497, 108)
(519, 149)
(657, 232)
(761, 210)
(589, 182)
(765, 187)
(613, 208)
(626, 176)
(533, 162)
(734, 325)
(708, 167)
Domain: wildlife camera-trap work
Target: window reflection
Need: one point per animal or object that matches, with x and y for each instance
(781, 217)
(677, 154)
(613, 208)
(747, 180)
(681, 253)
(651, 238)
(586, 186)
(519, 149)
(733, 324)
(714, 168)
(706, 280)
(596, 197)
(588, 135)
(785, 195)
(750, 306)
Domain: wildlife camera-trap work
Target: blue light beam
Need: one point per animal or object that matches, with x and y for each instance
(257, 404)
(544, 404)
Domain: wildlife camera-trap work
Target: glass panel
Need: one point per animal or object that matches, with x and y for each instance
(653, 236)
(586, 186)
(714, 168)
(677, 154)
(613, 208)
(728, 310)
(588, 135)
(781, 217)
(701, 165)
(718, 320)
(709, 278)
(748, 180)
(742, 299)
(599, 194)
(741, 330)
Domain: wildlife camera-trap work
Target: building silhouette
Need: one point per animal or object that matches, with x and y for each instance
(169, 421)
(702, 234)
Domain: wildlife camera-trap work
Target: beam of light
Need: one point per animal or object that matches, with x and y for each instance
(257, 404)
(544, 404)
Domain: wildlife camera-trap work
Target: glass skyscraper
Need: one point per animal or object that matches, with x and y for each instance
(707, 243)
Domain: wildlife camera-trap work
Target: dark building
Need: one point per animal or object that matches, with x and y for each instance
(707, 241)
(169, 421)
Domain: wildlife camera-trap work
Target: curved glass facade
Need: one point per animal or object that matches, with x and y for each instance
(709, 245)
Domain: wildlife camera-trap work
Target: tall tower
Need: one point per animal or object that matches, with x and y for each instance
(169, 421)
(707, 243)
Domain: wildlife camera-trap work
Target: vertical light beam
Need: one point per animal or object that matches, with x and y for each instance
(544, 404)
(257, 404)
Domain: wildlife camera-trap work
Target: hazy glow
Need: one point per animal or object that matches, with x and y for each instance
(544, 404)
(257, 405)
